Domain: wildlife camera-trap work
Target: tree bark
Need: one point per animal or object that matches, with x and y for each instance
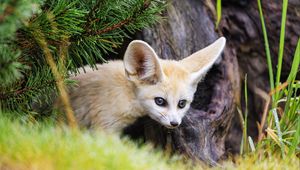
(187, 29)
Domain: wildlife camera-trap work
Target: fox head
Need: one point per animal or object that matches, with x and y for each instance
(165, 88)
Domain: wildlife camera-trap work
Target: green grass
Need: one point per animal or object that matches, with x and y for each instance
(280, 140)
(46, 146)
(253, 162)
(284, 114)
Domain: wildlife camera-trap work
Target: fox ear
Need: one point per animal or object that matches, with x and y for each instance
(141, 63)
(201, 61)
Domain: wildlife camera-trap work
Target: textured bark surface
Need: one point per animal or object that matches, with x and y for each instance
(187, 29)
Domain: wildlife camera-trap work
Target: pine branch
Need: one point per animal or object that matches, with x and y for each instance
(66, 34)
(91, 15)
(121, 23)
(13, 13)
(111, 28)
(7, 11)
(9, 65)
(17, 92)
(112, 23)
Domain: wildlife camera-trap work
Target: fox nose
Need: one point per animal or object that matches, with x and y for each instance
(174, 123)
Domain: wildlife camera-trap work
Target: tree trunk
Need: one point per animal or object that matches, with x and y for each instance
(187, 29)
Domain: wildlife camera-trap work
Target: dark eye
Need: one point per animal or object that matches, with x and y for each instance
(160, 101)
(181, 104)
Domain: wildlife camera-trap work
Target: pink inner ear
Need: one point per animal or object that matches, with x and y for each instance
(141, 63)
(148, 70)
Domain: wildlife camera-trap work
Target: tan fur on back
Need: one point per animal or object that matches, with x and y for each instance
(104, 97)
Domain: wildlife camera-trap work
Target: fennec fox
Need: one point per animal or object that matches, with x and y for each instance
(116, 94)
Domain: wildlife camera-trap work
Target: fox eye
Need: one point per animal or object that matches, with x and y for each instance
(181, 104)
(160, 101)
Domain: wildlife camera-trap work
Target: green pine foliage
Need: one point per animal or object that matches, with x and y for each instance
(76, 32)
(13, 14)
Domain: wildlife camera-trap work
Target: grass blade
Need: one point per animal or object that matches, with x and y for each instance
(295, 64)
(219, 12)
(245, 144)
(278, 131)
(251, 143)
(291, 81)
(267, 48)
(281, 44)
(296, 139)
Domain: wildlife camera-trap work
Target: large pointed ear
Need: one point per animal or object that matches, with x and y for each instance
(141, 63)
(201, 61)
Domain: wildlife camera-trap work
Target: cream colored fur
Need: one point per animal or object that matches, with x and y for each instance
(116, 94)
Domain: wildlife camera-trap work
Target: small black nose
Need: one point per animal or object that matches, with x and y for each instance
(174, 124)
